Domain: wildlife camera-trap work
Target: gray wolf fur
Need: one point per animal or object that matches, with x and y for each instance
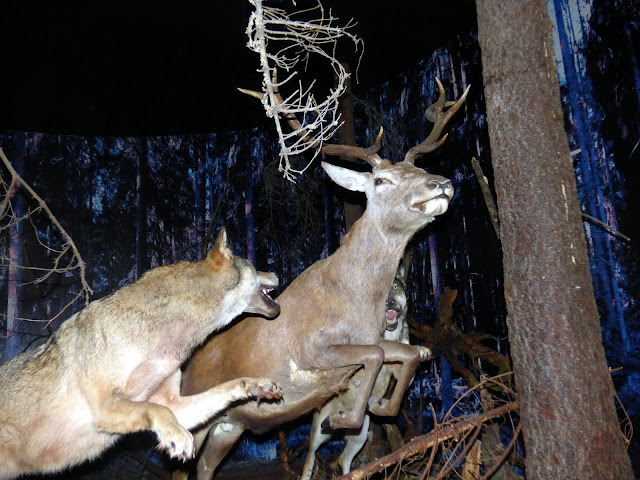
(114, 367)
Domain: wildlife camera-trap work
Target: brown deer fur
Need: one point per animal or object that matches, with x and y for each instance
(332, 317)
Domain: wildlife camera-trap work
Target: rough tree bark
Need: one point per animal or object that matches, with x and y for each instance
(347, 136)
(566, 395)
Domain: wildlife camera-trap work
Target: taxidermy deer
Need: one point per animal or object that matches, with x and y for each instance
(332, 316)
(397, 330)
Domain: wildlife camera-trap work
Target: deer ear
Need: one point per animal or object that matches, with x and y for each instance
(221, 249)
(349, 179)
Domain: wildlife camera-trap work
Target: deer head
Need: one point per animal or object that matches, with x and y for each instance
(401, 197)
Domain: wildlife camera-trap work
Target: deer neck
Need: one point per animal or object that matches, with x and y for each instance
(370, 251)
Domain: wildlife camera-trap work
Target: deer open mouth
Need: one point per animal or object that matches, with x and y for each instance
(434, 206)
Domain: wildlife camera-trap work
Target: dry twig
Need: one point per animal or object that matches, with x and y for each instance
(419, 445)
(61, 263)
(295, 41)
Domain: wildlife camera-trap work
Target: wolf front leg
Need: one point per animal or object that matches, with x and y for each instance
(194, 410)
(119, 415)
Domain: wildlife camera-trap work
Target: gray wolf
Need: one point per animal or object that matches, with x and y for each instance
(114, 367)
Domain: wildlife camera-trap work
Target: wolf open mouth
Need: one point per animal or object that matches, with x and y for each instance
(392, 320)
(265, 293)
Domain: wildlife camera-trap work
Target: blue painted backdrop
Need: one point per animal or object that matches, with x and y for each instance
(135, 203)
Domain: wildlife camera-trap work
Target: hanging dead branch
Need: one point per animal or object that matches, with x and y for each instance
(282, 42)
(66, 259)
(445, 339)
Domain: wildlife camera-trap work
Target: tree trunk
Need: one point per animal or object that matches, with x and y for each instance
(347, 136)
(566, 395)
(142, 263)
(14, 275)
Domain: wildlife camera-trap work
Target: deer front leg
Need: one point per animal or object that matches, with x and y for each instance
(194, 410)
(408, 357)
(371, 357)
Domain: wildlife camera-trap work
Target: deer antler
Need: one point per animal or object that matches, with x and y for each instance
(436, 114)
(369, 154)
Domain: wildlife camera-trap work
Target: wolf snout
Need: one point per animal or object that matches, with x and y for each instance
(261, 301)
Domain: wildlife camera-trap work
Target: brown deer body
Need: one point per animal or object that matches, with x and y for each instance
(332, 317)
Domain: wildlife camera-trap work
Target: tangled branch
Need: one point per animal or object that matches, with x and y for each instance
(456, 437)
(61, 263)
(296, 41)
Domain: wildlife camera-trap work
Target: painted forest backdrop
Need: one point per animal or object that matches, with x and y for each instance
(131, 204)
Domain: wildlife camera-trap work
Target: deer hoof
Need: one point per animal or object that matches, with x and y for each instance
(379, 406)
(326, 423)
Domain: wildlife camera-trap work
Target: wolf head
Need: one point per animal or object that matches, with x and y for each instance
(250, 283)
(396, 309)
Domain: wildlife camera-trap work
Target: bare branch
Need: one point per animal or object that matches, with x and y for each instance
(486, 194)
(606, 227)
(75, 263)
(419, 445)
(301, 39)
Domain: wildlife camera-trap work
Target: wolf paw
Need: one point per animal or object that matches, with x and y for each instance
(261, 389)
(177, 442)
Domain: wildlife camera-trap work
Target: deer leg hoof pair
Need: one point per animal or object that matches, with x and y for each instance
(425, 353)
(326, 423)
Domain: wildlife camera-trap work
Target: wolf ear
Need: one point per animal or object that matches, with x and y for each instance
(401, 273)
(220, 250)
(349, 179)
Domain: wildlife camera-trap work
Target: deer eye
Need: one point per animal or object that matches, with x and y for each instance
(380, 181)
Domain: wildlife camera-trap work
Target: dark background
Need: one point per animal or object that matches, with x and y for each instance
(167, 67)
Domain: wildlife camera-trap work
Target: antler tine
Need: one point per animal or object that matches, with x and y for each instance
(369, 154)
(435, 113)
